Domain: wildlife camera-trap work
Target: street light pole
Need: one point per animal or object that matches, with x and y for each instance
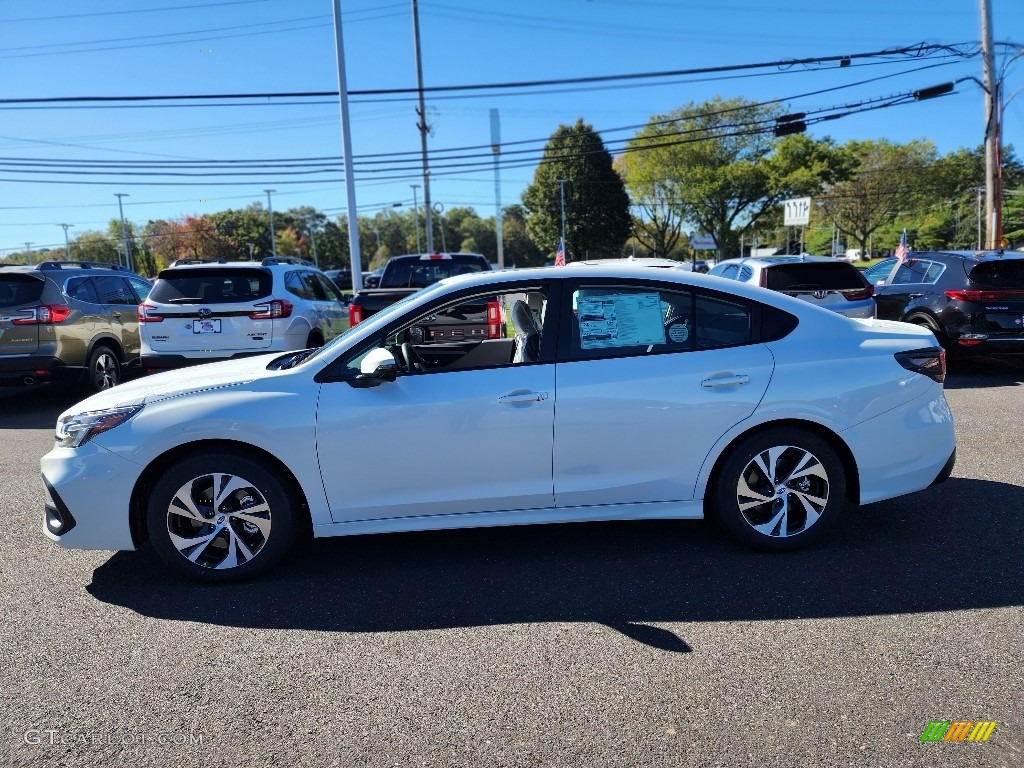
(561, 188)
(28, 258)
(312, 240)
(124, 232)
(416, 215)
(67, 244)
(270, 210)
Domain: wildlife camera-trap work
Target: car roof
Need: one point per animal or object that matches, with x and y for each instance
(985, 255)
(803, 258)
(65, 266)
(641, 262)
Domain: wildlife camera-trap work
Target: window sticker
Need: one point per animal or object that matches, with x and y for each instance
(620, 320)
(679, 332)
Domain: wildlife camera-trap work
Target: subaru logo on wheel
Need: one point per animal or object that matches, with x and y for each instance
(204, 312)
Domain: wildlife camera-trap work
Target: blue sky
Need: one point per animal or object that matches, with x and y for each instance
(73, 48)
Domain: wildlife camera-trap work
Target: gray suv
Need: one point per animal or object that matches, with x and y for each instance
(71, 321)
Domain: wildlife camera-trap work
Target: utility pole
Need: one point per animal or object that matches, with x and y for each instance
(993, 191)
(980, 190)
(422, 125)
(270, 211)
(124, 232)
(28, 247)
(416, 215)
(67, 245)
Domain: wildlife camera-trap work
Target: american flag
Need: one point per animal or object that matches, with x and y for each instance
(901, 251)
(560, 255)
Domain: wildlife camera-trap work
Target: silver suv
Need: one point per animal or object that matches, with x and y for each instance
(71, 321)
(831, 284)
(204, 311)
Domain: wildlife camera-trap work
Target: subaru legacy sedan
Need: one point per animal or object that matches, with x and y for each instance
(610, 393)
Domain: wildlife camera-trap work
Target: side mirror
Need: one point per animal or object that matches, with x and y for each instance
(378, 366)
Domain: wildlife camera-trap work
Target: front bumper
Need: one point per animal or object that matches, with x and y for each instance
(88, 497)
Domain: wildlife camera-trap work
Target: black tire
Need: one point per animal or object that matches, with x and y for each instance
(314, 340)
(779, 513)
(926, 322)
(103, 371)
(251, 529)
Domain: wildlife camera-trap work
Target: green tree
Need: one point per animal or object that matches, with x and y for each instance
(716, 167)
(519, 248)
(597, 220)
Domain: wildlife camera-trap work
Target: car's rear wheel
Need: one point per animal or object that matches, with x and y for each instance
(220, 517)
(926, 322)
(780, 489)
(314, 340)
(103, 370)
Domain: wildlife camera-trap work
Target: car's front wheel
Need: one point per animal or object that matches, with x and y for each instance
(220, 517)
(780, 489)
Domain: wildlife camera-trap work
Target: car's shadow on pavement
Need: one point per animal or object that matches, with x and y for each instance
(36, 406)
(952, 547)
(980, 372)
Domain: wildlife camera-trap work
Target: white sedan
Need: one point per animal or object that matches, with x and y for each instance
(613, 392)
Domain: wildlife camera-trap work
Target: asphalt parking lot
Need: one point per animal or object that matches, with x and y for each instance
(646, 644)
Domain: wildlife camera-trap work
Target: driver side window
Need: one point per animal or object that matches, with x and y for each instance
(471, 333)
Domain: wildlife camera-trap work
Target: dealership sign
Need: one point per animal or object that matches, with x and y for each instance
(702, 242)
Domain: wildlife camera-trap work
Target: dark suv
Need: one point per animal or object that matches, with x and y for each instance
(69, 321)
(973, 301)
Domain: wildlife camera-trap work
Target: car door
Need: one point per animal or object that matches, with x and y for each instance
(910, 286)
(463, 438)
(332, 306)
(121, 307)
(646, 387)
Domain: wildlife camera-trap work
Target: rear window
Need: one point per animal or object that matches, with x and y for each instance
(18, 290)
(419, 273)
(813, 277)
(1007, 273)
(211, 286)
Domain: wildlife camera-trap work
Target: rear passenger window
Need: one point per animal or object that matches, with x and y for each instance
(612, 321)
(81, 288)
(114, 290)
(917, 271)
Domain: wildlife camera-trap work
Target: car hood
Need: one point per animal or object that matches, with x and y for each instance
(161, 386)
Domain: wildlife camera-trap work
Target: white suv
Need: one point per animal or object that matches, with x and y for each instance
(202, 311)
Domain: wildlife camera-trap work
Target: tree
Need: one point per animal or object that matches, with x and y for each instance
(717, 167)
(520, 250)
(889, 180)
(597, 220)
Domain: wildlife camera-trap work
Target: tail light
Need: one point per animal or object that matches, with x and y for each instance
(979, 296)
(930, 362)
(272, 310)
(147, 314)
(493, 320)
(45, 314)
(355, 314)
(856, 294)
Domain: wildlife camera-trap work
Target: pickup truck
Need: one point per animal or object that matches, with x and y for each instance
(404, 275)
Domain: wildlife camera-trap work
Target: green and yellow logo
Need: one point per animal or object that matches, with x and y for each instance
(958, 730)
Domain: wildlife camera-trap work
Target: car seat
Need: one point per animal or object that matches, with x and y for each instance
(527, 330)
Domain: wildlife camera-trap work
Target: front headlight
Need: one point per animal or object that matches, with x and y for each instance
(80, 428)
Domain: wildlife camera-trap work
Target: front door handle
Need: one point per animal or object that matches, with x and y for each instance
(523, 397)
(725, 381)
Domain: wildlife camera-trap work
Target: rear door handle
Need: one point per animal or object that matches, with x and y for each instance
(523, 397)
(916, 295)
(725, 381)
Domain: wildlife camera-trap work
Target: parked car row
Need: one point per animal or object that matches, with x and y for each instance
(89, 323)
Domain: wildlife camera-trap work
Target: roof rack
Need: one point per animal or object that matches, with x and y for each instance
(184, 262)
(270, 261)
(78, 265)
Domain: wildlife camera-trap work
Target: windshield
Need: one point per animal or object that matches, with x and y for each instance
(998, 274)
(205, 285)
(813, 276)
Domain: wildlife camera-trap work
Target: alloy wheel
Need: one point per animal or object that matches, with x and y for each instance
(782, 491)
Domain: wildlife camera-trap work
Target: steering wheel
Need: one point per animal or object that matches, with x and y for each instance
(413, 362)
